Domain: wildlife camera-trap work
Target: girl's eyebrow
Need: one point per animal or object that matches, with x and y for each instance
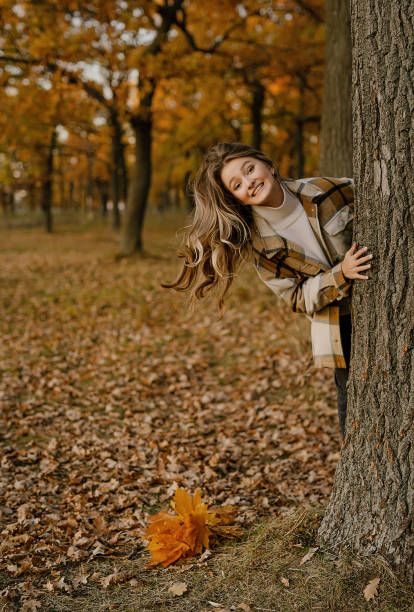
(241, 168)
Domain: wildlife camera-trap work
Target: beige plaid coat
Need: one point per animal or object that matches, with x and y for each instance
(309, 286)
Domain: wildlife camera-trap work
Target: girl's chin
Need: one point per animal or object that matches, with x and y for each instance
(261, 199)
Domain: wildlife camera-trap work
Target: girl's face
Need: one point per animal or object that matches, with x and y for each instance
(251, 181)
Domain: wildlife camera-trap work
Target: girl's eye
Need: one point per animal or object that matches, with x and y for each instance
(236, 186)
(250, 169)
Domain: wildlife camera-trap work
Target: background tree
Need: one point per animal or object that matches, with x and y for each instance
(152, 72)
(336, 132)
(371, 508)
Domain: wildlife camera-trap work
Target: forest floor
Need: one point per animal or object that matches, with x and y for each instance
(113, 395)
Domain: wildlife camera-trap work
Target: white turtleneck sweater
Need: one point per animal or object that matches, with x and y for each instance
(290, 221)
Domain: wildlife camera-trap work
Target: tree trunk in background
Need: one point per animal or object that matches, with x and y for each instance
(117, 167)
(256, 113)
(336, 133)
(124, 174)
(300, 124)
(371, 507)
(133, 219)
(89, 178)
(189, 200)
(47, 192)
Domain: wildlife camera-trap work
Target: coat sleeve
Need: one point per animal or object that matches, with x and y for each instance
(311, 294)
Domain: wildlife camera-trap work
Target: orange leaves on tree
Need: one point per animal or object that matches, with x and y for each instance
(185, 534)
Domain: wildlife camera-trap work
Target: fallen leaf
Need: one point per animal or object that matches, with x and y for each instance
(31, 605)
(107, 580)
(178, 588)
(371, 590)
(308, 555)
(284, 581)
(206, 554)
(80, 579)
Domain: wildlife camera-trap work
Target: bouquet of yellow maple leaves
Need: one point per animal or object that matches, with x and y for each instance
(185, 534)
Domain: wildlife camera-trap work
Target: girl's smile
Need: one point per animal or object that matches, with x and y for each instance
(252, 182)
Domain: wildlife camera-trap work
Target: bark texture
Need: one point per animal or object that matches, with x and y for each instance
(336, 133)
(371, 508)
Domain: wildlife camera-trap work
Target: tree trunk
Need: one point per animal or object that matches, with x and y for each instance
(256, 113)
(300, 124)
(47, 193)
(371, 507)
(117, 168)
(189, 200)
(139, 186)
(124, 173)
(336, 133)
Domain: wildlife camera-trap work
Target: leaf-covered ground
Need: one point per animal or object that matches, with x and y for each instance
(113, 394)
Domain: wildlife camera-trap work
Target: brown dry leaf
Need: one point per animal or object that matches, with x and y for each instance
(80, 579)
(31, 605)
(245, 607)
(371, 590)
(110, 579)
(206, 554)
(178, 588)
(308, 555)
(284, 581)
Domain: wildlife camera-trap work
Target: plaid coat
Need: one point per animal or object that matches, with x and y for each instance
(309, 286)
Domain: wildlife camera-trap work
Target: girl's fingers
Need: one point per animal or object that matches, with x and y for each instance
(359, 276)
(366, 258)
(361, 251)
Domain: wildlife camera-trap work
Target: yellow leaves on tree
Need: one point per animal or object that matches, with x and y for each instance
(171, 537)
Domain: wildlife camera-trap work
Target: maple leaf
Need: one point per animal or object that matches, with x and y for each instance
(186, 534)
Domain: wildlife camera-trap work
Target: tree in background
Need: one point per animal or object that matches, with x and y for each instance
(336, 133)
(371, 508)
(132, 61)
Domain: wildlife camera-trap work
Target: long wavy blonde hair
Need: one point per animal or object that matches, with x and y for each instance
(220, 235)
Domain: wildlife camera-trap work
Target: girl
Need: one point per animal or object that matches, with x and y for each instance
(298, 234)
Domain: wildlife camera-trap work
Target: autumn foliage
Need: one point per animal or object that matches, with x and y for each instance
(186, 533)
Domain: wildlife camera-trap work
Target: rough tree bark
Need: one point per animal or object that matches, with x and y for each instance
(371, 507)
(336, 132)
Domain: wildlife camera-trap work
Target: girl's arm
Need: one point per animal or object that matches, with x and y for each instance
(311, 294)
(308, 295)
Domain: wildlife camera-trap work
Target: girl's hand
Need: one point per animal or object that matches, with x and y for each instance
(353, 261)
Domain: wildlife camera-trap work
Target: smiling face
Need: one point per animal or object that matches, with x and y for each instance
(252, 182)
